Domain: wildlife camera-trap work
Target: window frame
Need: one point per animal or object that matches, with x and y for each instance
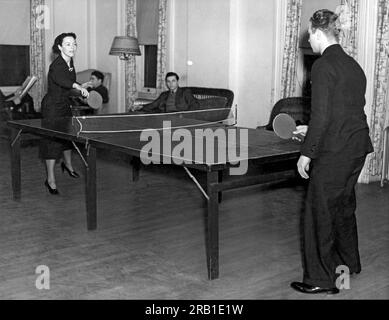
(143, 91)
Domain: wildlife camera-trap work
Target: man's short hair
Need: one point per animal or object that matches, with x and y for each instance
(98, 75)
(172, 74)
(327, 21)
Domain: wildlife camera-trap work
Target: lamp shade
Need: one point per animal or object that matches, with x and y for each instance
(124, 46)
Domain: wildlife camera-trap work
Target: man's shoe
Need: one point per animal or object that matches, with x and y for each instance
(307, 288)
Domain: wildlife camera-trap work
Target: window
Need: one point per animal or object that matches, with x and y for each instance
(147, 16)
(150, 66)
(15, 64)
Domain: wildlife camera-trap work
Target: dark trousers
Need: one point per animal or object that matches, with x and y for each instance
(329, 225)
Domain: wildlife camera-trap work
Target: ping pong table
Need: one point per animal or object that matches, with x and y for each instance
(124, 132)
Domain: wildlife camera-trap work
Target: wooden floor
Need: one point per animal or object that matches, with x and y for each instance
(149, 243)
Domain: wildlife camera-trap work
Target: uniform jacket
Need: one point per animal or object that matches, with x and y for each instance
(337, 126)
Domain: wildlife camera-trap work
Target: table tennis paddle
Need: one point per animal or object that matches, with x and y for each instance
(284, 125)
(94, 100)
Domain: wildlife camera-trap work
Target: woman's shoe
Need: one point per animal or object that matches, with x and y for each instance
(51, 190)
(73, 173)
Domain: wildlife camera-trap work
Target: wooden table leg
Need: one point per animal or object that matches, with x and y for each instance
(135, 162)
(220, 180)
(90, 192)
(15, 163)
(212, 226)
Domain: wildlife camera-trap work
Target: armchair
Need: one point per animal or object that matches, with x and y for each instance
(84, 76)
(298, 108)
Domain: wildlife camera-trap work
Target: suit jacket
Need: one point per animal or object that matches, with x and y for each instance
(184, 102)
(337, 128)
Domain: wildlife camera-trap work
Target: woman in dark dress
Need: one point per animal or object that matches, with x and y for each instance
(56, 104)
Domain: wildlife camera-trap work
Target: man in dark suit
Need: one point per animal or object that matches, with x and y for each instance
(334, 151)
(174, 100)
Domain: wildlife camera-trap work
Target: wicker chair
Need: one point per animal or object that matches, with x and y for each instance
(207, 97)
(297, 107)
(213, 97)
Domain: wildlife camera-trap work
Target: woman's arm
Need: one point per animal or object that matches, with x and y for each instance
(84, 91)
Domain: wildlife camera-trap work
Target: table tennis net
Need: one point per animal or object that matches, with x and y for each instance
(157, 121)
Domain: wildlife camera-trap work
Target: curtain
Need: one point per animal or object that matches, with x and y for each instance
(379, 113)
(37, 51)
(130, 64)
(290, 55)
(348, 13)
(161, 54)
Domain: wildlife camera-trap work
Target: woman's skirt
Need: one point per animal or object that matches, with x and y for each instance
(52, 148)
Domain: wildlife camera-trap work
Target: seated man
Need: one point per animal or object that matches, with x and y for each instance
(96, 84)
(173, 100)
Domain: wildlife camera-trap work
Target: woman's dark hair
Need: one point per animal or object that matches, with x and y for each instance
(58, 41)
(172, 74)
(327, 21)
